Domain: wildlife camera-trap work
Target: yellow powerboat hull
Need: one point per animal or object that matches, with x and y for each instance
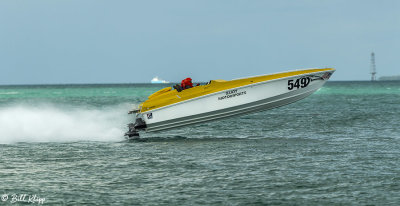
(168, 108)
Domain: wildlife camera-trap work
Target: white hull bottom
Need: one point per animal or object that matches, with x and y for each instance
(260, 105)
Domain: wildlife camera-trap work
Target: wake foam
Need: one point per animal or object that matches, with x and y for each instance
(50, 123)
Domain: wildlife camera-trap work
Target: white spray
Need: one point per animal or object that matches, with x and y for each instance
(50, 123)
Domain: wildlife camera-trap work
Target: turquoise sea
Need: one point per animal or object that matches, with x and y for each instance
(64, 145)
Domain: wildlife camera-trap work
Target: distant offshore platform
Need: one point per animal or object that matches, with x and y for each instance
(373, 67)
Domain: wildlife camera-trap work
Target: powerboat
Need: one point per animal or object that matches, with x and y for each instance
(176, 107)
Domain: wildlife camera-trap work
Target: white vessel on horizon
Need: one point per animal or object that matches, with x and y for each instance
(156, 80)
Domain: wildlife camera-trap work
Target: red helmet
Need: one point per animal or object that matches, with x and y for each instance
(187, 83)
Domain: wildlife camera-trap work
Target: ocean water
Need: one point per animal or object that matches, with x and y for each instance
(64, 145)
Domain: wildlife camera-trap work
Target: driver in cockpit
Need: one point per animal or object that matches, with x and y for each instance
(187, 83)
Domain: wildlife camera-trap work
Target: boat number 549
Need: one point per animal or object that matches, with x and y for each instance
(299, 83)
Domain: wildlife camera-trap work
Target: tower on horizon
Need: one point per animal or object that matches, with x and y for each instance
(373, 68)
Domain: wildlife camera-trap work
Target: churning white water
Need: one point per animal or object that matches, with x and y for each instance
(52, 123)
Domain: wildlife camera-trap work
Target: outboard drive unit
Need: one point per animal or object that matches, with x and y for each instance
(134, 127)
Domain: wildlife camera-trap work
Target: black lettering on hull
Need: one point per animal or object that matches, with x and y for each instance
(232, 94)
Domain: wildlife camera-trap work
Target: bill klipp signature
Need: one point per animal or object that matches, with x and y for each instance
(15, 198)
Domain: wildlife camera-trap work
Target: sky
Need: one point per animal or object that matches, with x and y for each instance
(95, 41)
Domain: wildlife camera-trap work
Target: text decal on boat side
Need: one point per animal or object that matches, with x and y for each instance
(232, 93)
(299, 83)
